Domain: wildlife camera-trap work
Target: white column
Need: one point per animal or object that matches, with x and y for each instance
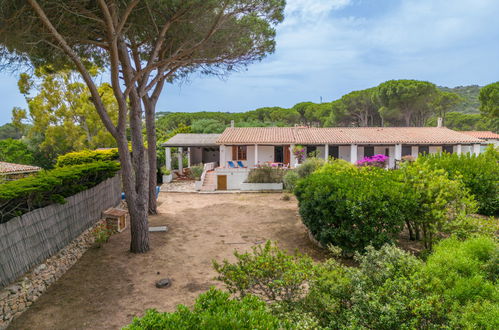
(476, 149)
(326, 152)
(353, 153)
(398, 152)
(459, 149)
(415, 151)
(179, 156)
(222, 155)
(168, 158)
(188, 156)
(292, 158)
(256, 155)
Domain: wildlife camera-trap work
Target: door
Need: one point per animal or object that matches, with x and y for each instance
(287, 155)
(221, 182)
(279, 154)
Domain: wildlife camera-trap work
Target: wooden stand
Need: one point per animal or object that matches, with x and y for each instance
(116, 219)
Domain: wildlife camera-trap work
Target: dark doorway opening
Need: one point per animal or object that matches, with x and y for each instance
(334, 151)
(406, 151)
(448, 149)
(279, 154)
(424, 150)
(368, 151)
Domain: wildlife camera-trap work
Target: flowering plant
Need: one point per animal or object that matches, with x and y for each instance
(376, 160)
(299, 152)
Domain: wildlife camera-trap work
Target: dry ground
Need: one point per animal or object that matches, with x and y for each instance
(109, 286)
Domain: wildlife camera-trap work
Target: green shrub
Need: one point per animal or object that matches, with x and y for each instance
(196, 171)
(374, 295)
(290, 180)
(49, 187)
(309, 166)
(87, 156)
(459, 285)
(437, 201)
(267, 272)
(165, 171)
(352, 208)
(480, 174)
(266, 174)
(213, 310)
(456, 288)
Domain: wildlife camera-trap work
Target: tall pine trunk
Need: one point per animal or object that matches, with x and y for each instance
(151, 152)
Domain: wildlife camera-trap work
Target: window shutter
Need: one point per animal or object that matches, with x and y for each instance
(234, 152)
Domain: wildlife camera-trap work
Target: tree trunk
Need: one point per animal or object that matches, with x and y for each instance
(151, 151)
(137, 204)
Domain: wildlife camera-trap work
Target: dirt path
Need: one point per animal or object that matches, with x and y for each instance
(109, 286)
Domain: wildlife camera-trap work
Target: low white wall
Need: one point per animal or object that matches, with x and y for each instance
(235, 177)
(261, 186)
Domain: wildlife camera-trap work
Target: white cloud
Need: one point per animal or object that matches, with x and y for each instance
(313, 7)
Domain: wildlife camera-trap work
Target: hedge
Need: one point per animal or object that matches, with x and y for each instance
(49, 187)
(480, 174)
(354, 207)
(87, 156)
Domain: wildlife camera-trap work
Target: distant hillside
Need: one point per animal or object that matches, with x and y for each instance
(469, 94)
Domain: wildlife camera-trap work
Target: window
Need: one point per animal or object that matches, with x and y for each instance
(406, 151)
(387, 152)
(368, 151)
(241, 153)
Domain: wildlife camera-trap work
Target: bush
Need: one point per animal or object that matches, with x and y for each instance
(290, 180)
(266, 174)
(49, 187)
(437, 201)
(196, 171)
(309, 166)
(459, 285)
(213, 310)
(390, 289)
(352, 208)
(375, 295)
(87, 156)
(480, 174)
(267, 272)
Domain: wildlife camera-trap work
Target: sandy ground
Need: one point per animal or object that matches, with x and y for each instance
(109, 285)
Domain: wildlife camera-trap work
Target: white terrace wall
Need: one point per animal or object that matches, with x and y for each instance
(28, 240)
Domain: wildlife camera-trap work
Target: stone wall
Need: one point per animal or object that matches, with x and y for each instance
(17, 297)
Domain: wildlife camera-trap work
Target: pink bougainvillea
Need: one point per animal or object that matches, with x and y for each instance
(376, 160)
(299, 152)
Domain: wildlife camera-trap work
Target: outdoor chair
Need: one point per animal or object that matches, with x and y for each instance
(240, 164)
(231, 164)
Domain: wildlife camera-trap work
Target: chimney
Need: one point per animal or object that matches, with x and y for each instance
(231, 123)
(439, 122)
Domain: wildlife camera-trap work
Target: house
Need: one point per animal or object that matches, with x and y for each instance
(254, 146)
(488, 138)
(10, 171)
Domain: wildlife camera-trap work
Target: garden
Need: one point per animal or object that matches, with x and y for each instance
(447, 202)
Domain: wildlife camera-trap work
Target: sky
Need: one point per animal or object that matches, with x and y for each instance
(327, 48)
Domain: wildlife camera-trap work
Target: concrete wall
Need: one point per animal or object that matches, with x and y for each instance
(235, 177)
(344, 153)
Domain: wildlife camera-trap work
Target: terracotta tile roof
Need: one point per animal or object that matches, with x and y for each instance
(482, 134)
(10, 168)
(344, 135)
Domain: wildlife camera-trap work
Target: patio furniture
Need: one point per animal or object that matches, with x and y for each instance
(231, 164)
(240, 164)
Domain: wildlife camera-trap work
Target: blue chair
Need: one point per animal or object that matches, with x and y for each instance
(240, 164)
(231, 164)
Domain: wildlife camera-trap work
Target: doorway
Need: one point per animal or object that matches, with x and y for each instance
(279, 154)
